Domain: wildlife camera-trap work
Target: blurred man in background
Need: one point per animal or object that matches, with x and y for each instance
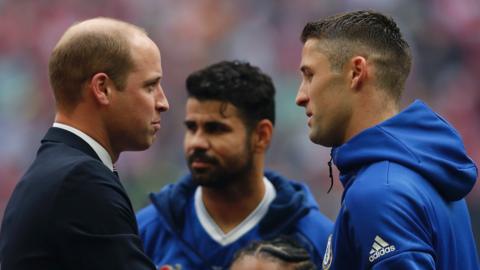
(70, 211)
(406, 173)
(228, 200)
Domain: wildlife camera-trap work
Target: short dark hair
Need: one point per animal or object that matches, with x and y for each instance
(283, 249)
(245, 86)
(366, 32)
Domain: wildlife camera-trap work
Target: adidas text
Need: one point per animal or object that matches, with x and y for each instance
(380, 247)
(381, 252)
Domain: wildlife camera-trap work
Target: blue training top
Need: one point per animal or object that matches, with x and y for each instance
(173, 236)
(403, 207)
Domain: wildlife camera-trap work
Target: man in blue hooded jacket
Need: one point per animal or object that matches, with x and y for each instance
(228, 200)
(405, 173)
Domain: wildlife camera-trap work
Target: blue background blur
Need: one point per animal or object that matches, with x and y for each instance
(444, 36)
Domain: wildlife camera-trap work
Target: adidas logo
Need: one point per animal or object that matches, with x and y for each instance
(379, 248)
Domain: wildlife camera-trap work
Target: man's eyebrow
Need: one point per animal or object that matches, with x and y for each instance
(215, 122)
(152, 81)
(206, 122)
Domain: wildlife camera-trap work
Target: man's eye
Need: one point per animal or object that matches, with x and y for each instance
(151, 87)
(190, 126)
(215, 128)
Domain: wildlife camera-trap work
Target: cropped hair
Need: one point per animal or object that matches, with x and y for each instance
(79, 56)
(367, 33)
(283, 249)
(245, 86)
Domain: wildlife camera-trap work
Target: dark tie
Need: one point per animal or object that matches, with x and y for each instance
(115, 172)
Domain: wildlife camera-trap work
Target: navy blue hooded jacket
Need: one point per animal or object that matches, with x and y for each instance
(174, 238)
(403, 207)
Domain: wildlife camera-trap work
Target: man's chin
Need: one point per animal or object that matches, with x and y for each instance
(201, 178)
(314, 139)
(206, 181)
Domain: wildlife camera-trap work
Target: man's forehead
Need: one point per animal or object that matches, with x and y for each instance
(314, 50)
(210, 109)
(307, 49)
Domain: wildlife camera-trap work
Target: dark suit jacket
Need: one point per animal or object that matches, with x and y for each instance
(69, 211)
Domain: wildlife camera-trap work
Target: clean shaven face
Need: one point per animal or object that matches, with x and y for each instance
(325, 95)
(137, 108)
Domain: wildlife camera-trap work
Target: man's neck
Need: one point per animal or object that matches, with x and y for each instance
(369, 112)
(88, 125)
(229, 206)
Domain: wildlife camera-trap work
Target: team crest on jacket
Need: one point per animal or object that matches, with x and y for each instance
(169, 267)
(328, 257)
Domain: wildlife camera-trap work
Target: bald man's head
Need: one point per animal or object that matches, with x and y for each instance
(86, 48)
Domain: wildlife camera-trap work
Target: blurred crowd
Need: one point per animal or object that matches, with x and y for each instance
(444, 36)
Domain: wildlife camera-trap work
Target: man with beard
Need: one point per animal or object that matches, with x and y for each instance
(228, 200)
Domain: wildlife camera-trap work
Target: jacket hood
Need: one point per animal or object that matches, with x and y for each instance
(293, 201)
(417, 138)
(171, 201)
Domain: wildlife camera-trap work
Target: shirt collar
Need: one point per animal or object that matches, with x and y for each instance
(99, 149)
(216, 233)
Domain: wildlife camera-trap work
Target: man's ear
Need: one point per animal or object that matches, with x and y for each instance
(359, 71)
(100, 87)
(262, 135)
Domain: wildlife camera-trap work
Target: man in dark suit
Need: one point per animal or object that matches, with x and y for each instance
(70, 211)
